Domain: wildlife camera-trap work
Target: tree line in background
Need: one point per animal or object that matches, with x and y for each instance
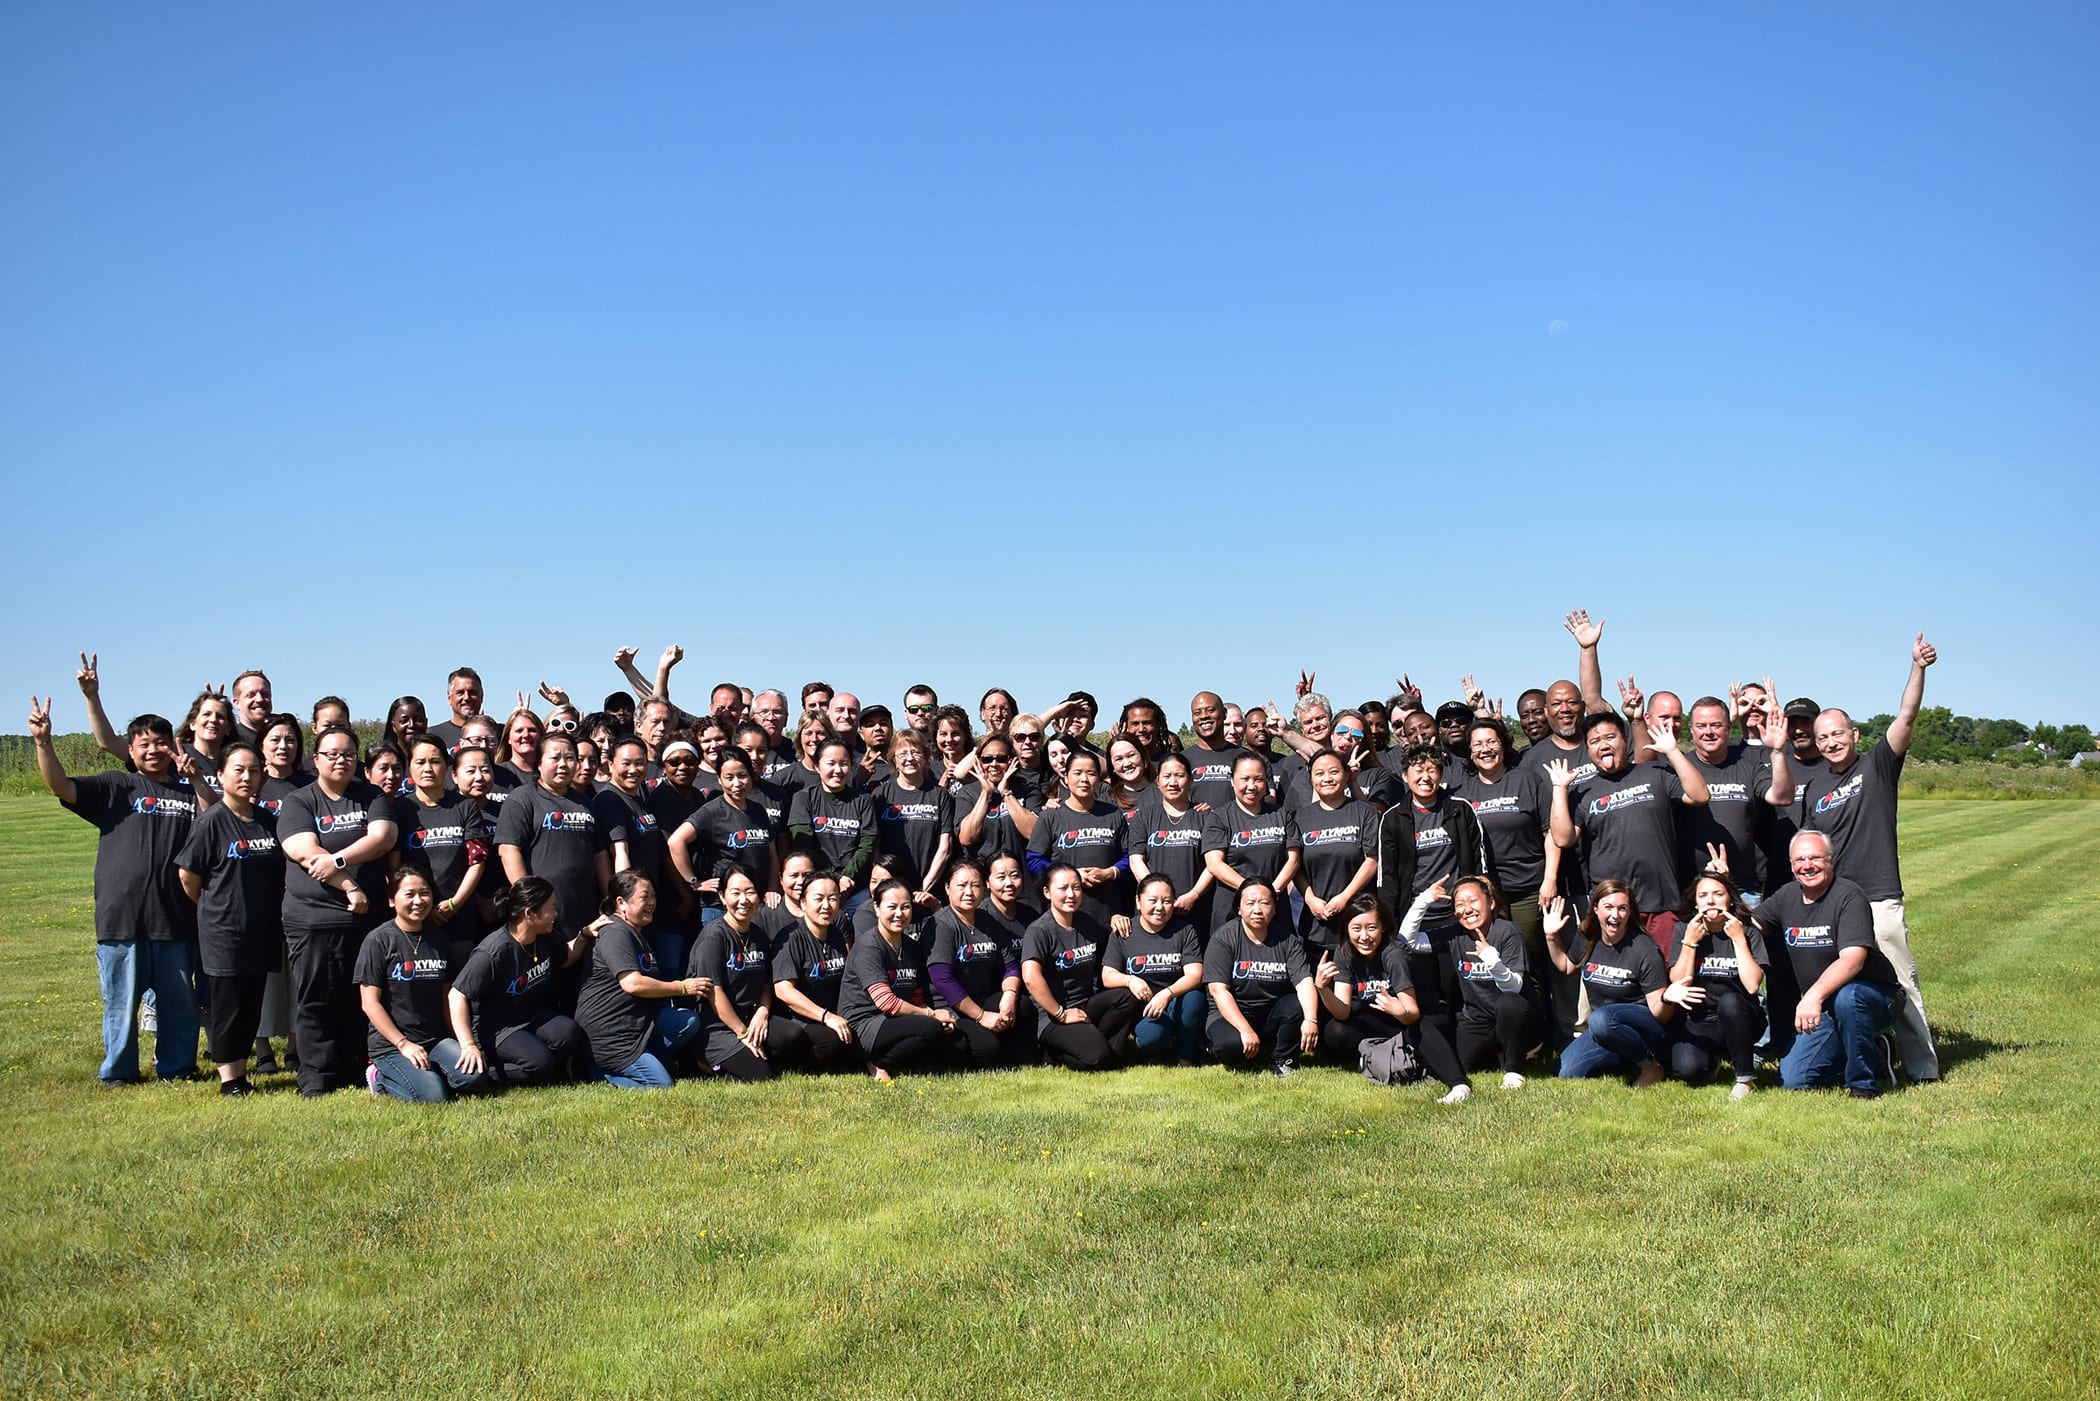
(1941, 736)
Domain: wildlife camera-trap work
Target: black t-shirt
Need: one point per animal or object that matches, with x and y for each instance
(1476, 983)
(629, 820)
(447, 733)
(815, 966)
(1255, 845)
(1857, 810)
(410, 972)
(872, 962)
(740, 964)
(836, 823)
(560, 840)
(1813, 935)
(616, 1022)
(337, 823)
(1623, 972)
(1000, 837)
(207, 770)
(1100, 836)
(434, 836)
(1436, 852)
(723, 832)
(1071, 959)
(977, 956)
(1629, 831)
(1335, 844)
(144, 824)
(1729, 818)
(909, 825)
(1160, 959)
(1383, 973)
(1210, 773)
(240, 911)
(1718, 965)
(1172, 846)
(672, 805)
(1537, 756)
(508, 983)
(503, 782)
(1783, 824)
(1515, 812)
(1256, 974)
(276, 790)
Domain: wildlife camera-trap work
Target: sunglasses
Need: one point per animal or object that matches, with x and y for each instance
(1347, 733)
(918, 710)
(568, 727)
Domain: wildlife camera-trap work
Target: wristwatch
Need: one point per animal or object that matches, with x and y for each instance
(340, 863)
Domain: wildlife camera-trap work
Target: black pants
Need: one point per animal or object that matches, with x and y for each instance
(1278, 1028)
(1735, 1023)
(327, 1020)
(826, 1051)
(1507, 1035)
(1782, 997)
(1096, 1043)
(789, 1046)
(981, 1048)
(1431, 1042)
(234, 1014)
(907, 1040)
(543, 1051)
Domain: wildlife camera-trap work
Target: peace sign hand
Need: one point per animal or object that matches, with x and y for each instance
(89, 678)
(39, 718)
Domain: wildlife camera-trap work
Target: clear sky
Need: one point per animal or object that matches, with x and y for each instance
(1140, 348)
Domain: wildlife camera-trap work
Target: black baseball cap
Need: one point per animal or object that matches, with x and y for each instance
(1453, 710)
(1802, 708)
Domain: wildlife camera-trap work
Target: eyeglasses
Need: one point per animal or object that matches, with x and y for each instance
(336, 756)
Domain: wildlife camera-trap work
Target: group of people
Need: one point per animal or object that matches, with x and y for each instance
(640, 892)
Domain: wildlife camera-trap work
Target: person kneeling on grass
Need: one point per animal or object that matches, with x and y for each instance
(1079, 1023)
(401, 983)
(625, 1007)
(1263, 1011)
(1496, 1022)
(1368, 995)
(1721, 958)
(1159, 962)
(1827, 927)
(502, 1002)
(744, 1041)
(1631, 995)
(975, 966)
(883, 995)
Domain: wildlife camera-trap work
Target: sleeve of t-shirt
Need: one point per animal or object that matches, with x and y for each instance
(1578, 950)
(1888, 764)
(615, 818)
(1293, 833)
(1217, 836)
(1039, 840)
(1190, 946)
(1394, 959)
(295, 814)
(943, 940)
(474, 980)
(1037, 944)
(1672, 785)
(514, 827)
(1217, 961)
(1294, 962)
(946, 803)
(372, 959)
(1654, 973)
(620, 954)
(798, 809)
(708, 956)
(200, 848)
(94, 797)
(1509, 945)
(1112, 952)
(1855, 921)
(1756, 940)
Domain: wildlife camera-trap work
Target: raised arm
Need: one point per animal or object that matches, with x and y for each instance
(1922, 655)
(90, 678)
(1589, 674)
(53, 772)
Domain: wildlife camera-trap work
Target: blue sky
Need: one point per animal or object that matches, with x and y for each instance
(1138, 348)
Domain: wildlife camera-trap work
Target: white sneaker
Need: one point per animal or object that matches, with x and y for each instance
(1743, 1090)
(1512, 1081)
(371, 1077)
(1459, 1094)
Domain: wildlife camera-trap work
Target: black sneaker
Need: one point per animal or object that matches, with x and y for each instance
(1864, 1094)
(234, 1089)
(1884, 1061)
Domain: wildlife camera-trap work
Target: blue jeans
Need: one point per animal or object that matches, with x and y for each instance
(669, 948)
(1182, 1025)
(1842, 1045)
(1622, 1036)
(400, 1079)
(674, 1027)
(167, 968)
(854, 901)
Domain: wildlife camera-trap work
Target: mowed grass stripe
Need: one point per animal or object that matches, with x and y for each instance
(1032, 1233)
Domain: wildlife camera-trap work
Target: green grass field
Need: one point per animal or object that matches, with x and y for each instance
(1149, 1233)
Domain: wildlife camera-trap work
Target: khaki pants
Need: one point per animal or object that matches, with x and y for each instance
(1913, 1035)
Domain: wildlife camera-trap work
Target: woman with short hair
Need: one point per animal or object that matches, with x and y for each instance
(1263, 1008)
(402, 974)
(625, 1008)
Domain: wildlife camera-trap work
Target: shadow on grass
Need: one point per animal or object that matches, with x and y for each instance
(1959, 1047)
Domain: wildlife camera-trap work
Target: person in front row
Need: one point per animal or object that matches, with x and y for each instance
(1850, 992)
(1631, 995)
(1263, 1008)
(503, 1009)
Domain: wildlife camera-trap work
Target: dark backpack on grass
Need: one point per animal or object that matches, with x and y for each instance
(1389, 1061)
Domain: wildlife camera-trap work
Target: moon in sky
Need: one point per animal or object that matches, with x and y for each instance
(1555, 328)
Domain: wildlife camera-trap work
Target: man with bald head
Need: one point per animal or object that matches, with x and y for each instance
(1210, 754)
(1852, 800)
